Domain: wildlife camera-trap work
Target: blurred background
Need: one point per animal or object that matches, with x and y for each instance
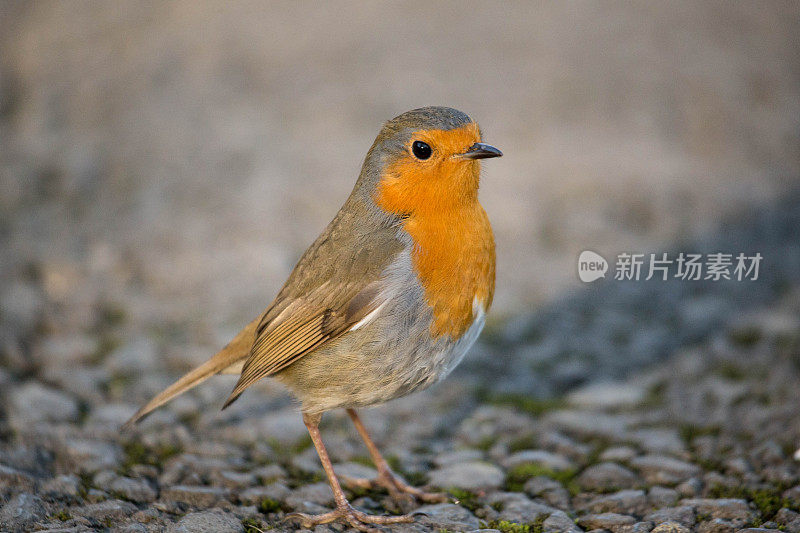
(164, 164)
(177, 158)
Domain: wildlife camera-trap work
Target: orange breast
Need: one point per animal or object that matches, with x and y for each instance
(454, 258)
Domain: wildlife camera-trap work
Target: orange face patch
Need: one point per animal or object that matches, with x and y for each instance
(454, 253)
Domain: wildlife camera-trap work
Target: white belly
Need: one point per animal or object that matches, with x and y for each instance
(390, 355)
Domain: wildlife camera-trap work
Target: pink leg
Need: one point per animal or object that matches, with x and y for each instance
(344, 511)
(386, 478)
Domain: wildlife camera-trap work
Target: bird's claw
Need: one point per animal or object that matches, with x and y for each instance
(399, 490)
(351, 516)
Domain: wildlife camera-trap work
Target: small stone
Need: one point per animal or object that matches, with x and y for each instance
(208, 522)
(780, 475)
(285, 427)
(233, 480)
(618, 454)
(662, 496)
(683, 514)
(632, 502)
(715, 479)
(130, 528)
(137, 355)
(610, 521)
(518, 508)
(33, 403)
(786, 516)
(550, 490)
(103, 478)
(105, 511)
(203, 466)
(65, 486)
(469, 476)
(638, 527)
(135, 490)
(355, 470)
(21, 304)
(662, 469)
(489, 421)
(447, 516)
(176, 472)
(738, 465)
(607, 476)
(269, 473)
(307, 461)
(590, 424)
(110, 414)
(146, 516)
(195, 496)
(22, 512)
(14, 479)
(658, 440)
(670, 527)
(63, 351)
(560, 443)
(793, 495)
(316, 493)
(89, 455)
(608, 395)
(95, 495)
(559, 522)
(725, 508)
(768, 453)
(255, 495)
(716, 525)
(545, 459)
(690, 488)
(147, 471)
(457, 456)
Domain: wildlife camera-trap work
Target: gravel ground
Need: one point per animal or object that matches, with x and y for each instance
(164, 164)
(664, 407)
(138, 139)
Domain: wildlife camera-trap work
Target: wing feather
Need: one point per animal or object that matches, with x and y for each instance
(305, 325)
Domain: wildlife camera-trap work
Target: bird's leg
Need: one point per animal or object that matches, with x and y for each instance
(387, 479)
(344, 511)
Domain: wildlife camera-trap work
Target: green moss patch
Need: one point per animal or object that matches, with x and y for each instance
(518, 475)
(513, 527)
(768, 500)
(136, 453)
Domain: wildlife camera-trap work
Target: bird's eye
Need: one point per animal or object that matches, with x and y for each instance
(421, 150)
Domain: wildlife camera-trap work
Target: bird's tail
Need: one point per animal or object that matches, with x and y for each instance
(229, 360)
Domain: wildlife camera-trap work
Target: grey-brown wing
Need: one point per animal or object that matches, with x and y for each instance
(334, 285)
(303, 326)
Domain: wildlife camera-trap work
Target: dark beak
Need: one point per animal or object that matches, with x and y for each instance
(481, 151)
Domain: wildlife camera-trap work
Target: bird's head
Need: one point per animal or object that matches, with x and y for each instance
(426, 160)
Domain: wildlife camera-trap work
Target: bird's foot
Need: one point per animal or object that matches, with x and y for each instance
(398, 489)
(353, 517)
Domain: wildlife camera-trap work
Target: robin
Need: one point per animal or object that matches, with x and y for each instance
(385, 302)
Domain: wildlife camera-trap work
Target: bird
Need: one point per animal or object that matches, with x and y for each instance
(385, 302)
